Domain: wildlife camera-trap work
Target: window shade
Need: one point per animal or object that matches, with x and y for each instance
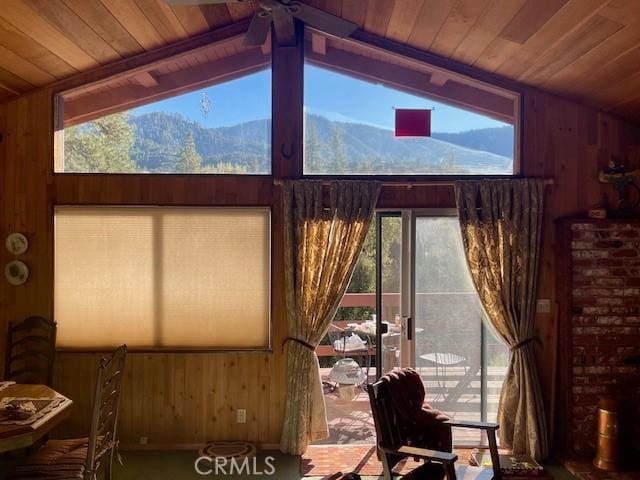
(162, 277)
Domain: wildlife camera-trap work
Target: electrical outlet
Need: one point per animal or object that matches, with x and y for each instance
(241, 415)
(543, 305)
(143, 440)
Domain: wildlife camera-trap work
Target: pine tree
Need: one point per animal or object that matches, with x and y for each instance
(189, 160)
(100, 146)
(312, 150)
(339, 161)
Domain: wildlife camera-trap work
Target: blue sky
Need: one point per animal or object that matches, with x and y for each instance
(336, 96)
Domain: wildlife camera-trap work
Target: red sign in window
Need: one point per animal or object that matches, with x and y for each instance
(413, 122)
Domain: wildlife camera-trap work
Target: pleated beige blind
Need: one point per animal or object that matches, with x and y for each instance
(162, 277)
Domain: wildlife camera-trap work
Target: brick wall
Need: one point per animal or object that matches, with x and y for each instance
(605, 327)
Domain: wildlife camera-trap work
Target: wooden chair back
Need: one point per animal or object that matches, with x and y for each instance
(389, 430)
(104, 419)
(30, 351)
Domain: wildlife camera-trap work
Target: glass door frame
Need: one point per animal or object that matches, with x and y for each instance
(449, 212)
(381, 328)
(407, 293)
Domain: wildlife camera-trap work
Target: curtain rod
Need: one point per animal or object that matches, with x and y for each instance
(409, 185)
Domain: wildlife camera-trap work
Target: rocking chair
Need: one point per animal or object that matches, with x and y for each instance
(406, 427)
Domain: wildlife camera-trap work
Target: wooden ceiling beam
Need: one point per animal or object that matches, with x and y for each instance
(417, 83)
(283, 25)
(148, 60)
(91, 105)
(146, 79)
(318, 43)
(438, 79)
(436, 61)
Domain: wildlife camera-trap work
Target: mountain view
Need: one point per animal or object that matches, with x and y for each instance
(161, 142)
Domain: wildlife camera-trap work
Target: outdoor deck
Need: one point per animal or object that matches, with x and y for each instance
(455, 393)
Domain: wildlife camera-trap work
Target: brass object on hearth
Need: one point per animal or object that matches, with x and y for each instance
(608, 453)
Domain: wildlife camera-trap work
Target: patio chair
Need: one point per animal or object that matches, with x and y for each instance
(406, 427)
(30, 351)
(82, 458)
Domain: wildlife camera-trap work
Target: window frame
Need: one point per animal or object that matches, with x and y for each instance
(470, 75)
(60, 93)
(269, 348)
(367, 41)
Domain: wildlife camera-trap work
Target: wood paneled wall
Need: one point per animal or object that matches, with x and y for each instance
(187, 398)
(569, 143)
(174, 398)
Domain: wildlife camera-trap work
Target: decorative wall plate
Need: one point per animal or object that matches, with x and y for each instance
(16, 272)
(16, 243)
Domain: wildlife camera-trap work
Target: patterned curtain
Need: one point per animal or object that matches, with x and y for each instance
(324, 233)
(501, 224)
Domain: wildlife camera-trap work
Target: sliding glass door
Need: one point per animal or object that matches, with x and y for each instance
(431, 319)
(411, 303)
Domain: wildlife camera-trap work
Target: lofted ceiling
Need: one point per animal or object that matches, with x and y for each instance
(588, 50)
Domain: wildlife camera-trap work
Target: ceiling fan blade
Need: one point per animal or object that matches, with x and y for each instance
(321, 20)
(258, 29)
(204, 2)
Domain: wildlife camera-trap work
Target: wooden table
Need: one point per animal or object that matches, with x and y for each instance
(13, 437)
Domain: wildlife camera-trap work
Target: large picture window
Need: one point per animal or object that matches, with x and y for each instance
(162, 277)
(351, 93)
(208, 112)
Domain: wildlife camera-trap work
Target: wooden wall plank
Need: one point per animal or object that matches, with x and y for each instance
(163, 19)
(574, 13)
(13, 82)
(24, 69)
(428, 22)
(18, 14)
(135, 22)
(216, 15)
(191, 18)
(533, 15)
(355, 11)
(31, 51)
(580, 41)
(461, 19)
(402, 20)
(75, 28)
(612, 57)
(239, 11)
(378, 15)
(486, 28)
(105, 24)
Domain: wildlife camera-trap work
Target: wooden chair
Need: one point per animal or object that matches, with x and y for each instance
(82, 458)
(395, 442)
(30, 351)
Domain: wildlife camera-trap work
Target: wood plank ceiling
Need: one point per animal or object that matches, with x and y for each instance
(587, 50)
